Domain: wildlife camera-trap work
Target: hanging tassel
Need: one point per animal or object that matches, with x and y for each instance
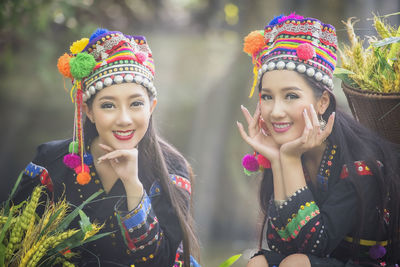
(83, 175)
(255, 80)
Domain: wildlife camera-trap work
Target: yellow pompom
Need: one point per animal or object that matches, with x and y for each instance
(79, 45)
(253, 42)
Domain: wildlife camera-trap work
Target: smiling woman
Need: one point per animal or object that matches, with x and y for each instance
(145, 205)
(330, 191)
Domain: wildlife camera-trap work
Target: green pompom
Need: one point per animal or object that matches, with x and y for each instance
(73, 147)
(82, 65)
(247, 172)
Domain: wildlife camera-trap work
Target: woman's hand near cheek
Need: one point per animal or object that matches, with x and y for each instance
(257, 137)
(312, 136)
(125, 164)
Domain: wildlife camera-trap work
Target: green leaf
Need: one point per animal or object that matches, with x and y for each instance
(5, 228)
(7, 206)
(386, 41)
(85, 224)
(343, 74)
(75, 212)
(230, 261)
(2, 254)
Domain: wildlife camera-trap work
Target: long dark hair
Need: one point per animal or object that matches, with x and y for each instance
(356, 142)
(155, 155)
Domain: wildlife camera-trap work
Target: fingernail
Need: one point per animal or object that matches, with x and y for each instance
(241, 106)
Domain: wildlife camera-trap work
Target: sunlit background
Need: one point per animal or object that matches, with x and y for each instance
(202, 77)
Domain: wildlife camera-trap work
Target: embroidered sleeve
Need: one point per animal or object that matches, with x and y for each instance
(140, 229)
(151, 231)
(289, 218)
(303, 226)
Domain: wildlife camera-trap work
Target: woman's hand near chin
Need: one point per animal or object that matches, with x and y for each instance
(264, 144)
(313, 136)
(257, 136)
(125, 164)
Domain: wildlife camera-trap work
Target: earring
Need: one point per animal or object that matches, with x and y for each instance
(322, 123)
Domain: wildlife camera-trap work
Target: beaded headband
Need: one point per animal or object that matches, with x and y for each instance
(293, 42)
(104, 59)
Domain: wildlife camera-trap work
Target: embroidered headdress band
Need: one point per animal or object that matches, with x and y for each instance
(295, 43)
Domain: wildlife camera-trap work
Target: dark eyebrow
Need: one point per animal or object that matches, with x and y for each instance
(283, 89)
(109, 97)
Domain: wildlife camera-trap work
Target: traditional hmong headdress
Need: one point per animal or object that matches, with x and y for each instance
(104, 59)
(294, 43)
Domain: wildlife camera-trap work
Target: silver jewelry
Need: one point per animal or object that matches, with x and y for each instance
(322, 124)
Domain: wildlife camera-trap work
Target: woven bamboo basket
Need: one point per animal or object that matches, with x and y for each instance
(378, 111)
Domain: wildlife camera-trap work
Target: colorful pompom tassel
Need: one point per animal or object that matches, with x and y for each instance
(250, 163)
(79, 45)
(263, 161)
(73, 147)
(72, 160)
(87, 158)
(254, 162)
(82, 65)
(83, 178)
(377, 252)
(63, 65)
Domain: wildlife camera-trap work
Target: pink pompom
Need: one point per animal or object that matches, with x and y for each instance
(72, 160)
(291, 16)
(263, 161)
(141, 57)
(250, 163)
(305, 51)
(78, 169)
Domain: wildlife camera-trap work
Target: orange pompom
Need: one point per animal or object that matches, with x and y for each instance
(83, 178)
(63, 65)
(253, 42)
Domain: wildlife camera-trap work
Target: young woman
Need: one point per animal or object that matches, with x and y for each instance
(146, 182)
(330, 191)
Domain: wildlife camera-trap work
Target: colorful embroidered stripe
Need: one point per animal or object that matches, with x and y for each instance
(361, 168)
(182, 183)
(303, 216)
(33, 170)
(140, 214)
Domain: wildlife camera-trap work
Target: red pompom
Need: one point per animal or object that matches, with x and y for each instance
(141, 57)
(72, 160)
(83, 178)
(263, 161)
(250, 163)
(78, 169)
(253, 42)
(305, 51)
(63, 65)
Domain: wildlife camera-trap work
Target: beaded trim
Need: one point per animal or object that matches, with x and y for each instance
(151, 256)
(318, 75)
(116, 73)
(138, 215)
(317, 30)
(325, 168)
(143, 236)
(304, 215)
